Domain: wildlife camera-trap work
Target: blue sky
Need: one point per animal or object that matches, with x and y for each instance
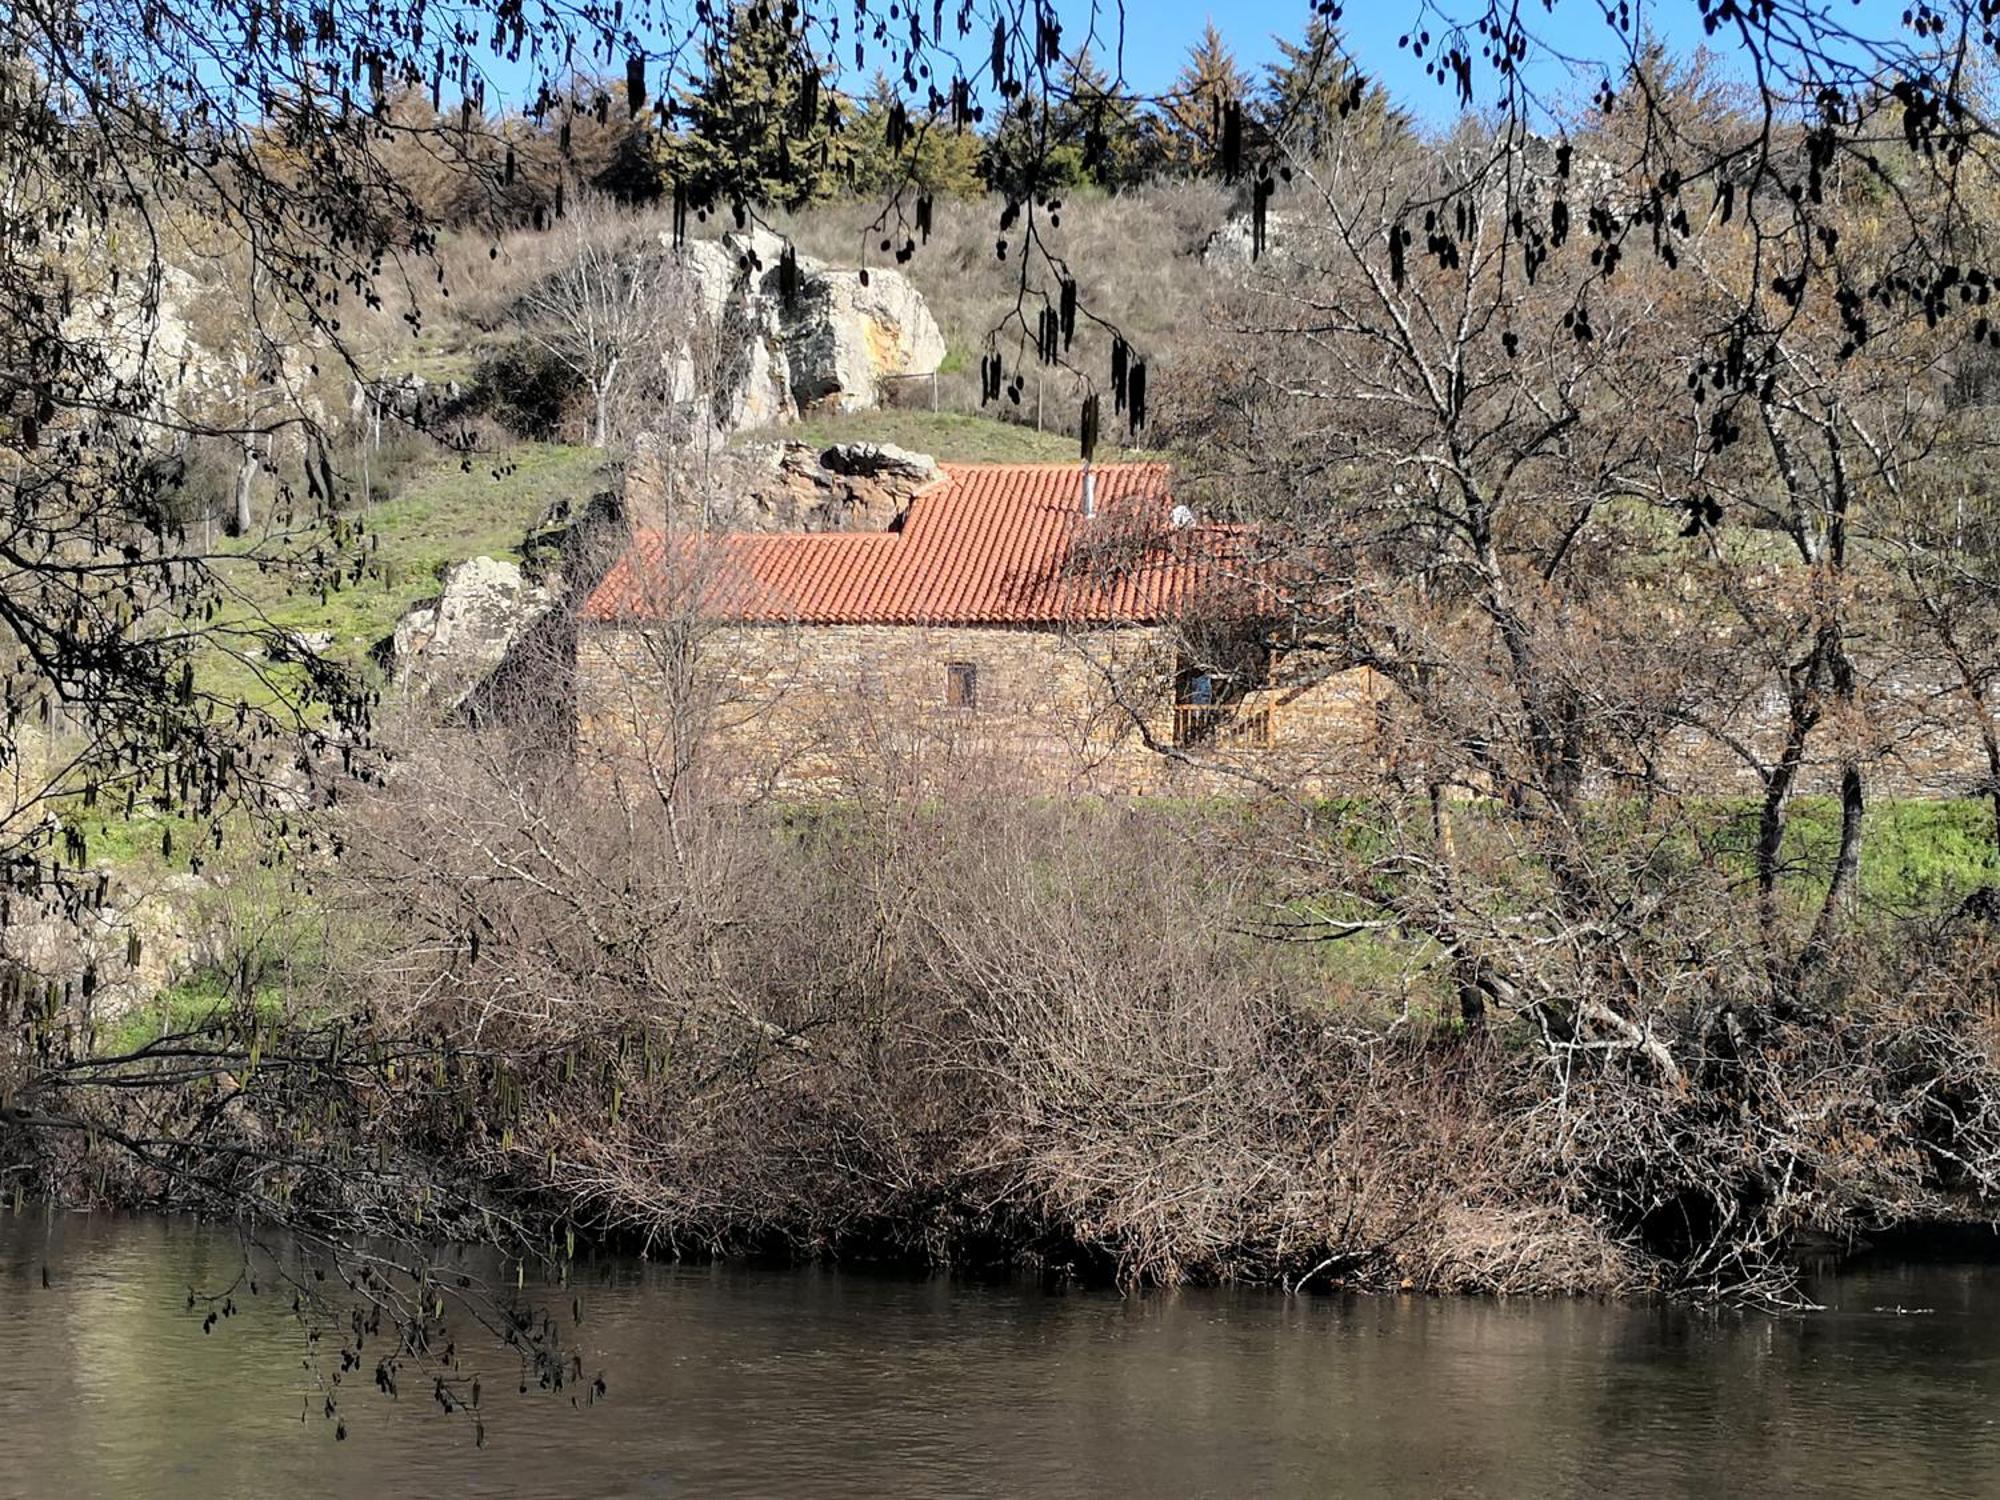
(1159, 32)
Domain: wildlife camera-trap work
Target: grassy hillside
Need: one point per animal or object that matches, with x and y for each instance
(446, 509)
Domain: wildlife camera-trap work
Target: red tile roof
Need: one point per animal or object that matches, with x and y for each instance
(993, 544)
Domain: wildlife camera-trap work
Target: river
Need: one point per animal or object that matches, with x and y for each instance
(725, 1381)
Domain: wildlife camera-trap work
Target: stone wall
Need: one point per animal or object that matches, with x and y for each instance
(828, 710)
(823, 711)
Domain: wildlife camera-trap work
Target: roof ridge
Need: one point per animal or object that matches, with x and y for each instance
(1056, 463)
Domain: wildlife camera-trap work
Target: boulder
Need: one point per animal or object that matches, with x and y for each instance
(855, 486)
(778, 486)
(117, 954)
(849, 329)
(826, 346)
(445, 647)
(1232, 246)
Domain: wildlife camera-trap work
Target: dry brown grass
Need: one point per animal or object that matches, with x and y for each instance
(1137, 256)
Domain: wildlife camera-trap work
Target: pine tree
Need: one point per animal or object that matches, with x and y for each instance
(606, 146)
(934, 155)
(1103, 123)
(1311, 98)
(763, 126)
(1189, 119)
(1025, 156)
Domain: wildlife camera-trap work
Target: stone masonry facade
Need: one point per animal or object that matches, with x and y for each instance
(827, 711)
(824, 711)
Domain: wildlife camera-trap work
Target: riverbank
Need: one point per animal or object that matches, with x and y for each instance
(1253, 1043)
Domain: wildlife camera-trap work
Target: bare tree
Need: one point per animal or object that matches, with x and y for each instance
(613, 309)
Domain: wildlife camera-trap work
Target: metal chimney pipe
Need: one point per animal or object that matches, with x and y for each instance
(1089, 492)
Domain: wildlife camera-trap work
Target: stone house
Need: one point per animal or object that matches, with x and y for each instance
(1034, 626)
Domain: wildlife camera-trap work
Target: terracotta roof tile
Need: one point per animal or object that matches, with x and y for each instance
(994, 544)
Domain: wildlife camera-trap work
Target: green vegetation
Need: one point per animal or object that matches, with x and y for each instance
(1311, 91)
(454, 509)
(448, 510)
(143, 841)
(1923, 857)
(762, 126)
(887, 149)
(194, 1002)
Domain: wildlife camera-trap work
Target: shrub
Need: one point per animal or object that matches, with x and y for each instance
(525, 388)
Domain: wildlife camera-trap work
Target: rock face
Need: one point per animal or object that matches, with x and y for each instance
(845, 333)
(1233, 246)
(778, 486)
(446, 647)
(825, 347)
(120, 953)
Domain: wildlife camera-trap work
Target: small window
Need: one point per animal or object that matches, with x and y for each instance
(961, 685)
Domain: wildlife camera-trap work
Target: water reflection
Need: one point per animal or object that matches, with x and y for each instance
(734, 1382)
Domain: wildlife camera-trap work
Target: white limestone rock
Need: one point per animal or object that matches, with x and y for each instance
(827, 346)
(445, 647)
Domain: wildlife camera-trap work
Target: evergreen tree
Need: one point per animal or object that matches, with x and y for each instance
(1189, 119)
(606, 146)
(1092, 132)
(1104, 125)
(934, 155)
(762, 127)
(1311, 97)
(1025, 156)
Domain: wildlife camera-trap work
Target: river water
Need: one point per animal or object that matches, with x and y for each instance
(726, 1381)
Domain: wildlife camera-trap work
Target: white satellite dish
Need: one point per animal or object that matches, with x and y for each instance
(1182, 518)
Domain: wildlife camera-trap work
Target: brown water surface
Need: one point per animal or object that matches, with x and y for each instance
(727, 1382)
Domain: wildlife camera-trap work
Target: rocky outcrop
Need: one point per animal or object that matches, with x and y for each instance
(446, 647)
(826, 343)
(118, 953)
(1233, 246)
(850, 328)
(778, 486)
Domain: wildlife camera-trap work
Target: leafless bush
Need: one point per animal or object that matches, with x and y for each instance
(948, 1027)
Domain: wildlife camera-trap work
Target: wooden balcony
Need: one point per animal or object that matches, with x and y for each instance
(1215, 726)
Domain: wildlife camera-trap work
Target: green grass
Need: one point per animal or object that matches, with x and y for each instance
(1916, 856)
(447, 510)
(181, 1008)
(143, 840)
(442, 349)
(954, 437)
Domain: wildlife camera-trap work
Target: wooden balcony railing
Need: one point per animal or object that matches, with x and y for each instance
(1198, 725)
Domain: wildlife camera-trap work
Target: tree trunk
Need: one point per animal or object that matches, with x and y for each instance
(1802, 715)
(1471, 998)
(1989, 741)
(1992, 742)
(1771, 826)
(602, 435)
(246, 476)
(1846, 866)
